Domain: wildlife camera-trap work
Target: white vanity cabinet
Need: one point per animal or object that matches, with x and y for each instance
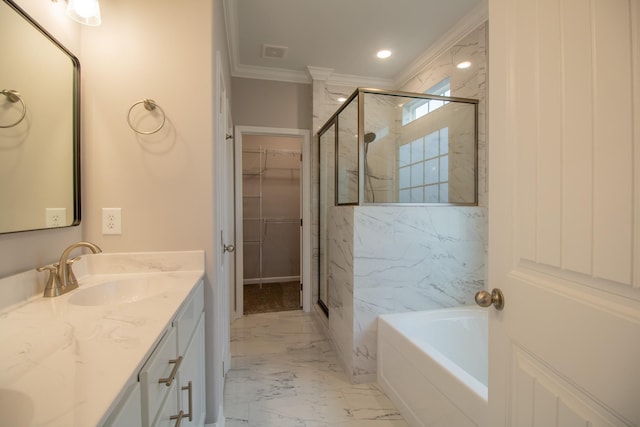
(172, 381)
(132, 318)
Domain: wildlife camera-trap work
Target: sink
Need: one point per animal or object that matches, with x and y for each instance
(17, 408)
(117, 292)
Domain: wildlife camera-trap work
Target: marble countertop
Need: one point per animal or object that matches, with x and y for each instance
(63, 364)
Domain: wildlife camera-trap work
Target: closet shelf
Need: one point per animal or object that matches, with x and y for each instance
(268, 165)
(282, 220)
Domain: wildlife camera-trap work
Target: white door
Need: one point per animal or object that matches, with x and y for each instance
(228, 231)
(224, 199)
(564, 212)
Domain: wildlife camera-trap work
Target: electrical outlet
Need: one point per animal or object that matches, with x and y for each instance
(111, 221)
(55, 217)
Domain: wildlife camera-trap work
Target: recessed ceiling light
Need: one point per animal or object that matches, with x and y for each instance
(464, 64)
(382, 54)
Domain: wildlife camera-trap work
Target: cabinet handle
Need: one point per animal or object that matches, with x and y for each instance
(167, 381)
(178, 418)
(190, 388)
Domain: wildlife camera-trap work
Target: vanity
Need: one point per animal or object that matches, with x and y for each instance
(124, 349)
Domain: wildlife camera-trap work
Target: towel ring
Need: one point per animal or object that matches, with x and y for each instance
(13, 96)
(149, 105)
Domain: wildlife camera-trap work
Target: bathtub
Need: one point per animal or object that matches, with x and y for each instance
(434, 366)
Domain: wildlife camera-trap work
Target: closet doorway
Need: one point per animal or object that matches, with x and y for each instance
(272, 238)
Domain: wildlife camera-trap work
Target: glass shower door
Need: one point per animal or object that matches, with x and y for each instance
(327, 143)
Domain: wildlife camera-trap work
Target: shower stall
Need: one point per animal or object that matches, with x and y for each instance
(394, 148)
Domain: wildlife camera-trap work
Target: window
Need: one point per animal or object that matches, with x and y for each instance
(420, 107)
(423, 169)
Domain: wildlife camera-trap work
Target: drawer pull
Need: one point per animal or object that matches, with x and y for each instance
(190, 388)
(178, 418)
(169, 380)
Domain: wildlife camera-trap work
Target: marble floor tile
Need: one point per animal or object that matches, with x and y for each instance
(284, 373)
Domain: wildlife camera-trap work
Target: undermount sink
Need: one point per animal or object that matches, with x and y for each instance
(117, 292)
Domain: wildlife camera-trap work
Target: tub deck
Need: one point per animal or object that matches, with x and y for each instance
(433, 366)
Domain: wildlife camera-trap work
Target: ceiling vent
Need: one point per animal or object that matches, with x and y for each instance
(271, 51)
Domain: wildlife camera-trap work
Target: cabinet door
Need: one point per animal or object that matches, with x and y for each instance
(169, 409)
(192, 379)
(186, 322)
(159, 367)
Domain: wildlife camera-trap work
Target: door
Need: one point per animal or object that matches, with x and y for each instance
(305, 183)
(228, 231)
(564, 213)
(224, 198)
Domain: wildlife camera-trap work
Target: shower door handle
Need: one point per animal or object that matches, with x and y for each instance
(228, 248)
(485, 299)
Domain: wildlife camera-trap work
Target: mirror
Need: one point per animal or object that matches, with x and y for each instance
(39, 126)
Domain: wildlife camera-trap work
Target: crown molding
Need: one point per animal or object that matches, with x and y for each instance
(269, 73)
(470, 22)
(231, 23)
(466, 25)
(360, 81)
(319, 73)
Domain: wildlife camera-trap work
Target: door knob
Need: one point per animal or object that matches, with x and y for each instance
(229, 248)
(485, 299)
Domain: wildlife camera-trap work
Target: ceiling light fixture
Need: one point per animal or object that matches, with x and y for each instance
(342, 99)
(86, 12)
(383, 54)
(464, 64)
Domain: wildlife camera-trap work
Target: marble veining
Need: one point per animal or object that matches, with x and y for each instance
(63, 364)
(284, 373)
(391, 259)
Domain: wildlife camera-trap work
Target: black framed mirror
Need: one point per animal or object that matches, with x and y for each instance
(39, 126)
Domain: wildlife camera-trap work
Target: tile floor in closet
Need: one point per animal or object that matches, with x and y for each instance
(285, 373)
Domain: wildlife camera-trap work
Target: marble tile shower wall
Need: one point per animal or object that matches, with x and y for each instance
(467, 83)
(386, 259)
(390, 259)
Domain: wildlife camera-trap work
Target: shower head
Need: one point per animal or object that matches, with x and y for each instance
(369, 137)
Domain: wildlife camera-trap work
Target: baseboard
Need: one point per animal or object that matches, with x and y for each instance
(220, 421)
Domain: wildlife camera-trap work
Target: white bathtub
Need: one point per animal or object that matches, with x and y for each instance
(433, 365)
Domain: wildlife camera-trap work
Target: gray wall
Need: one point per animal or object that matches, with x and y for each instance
(271, 104)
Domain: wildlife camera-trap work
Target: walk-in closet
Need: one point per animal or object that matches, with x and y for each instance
(271, 216)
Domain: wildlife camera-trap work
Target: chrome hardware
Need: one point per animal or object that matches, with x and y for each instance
(190, 388)
(149, 105)
(68, 280)
(181, 414)
(52, 289)
(178, 417)
(13, 96)
(485, 299)
(61, 277)
(176, 365)
(228, 248)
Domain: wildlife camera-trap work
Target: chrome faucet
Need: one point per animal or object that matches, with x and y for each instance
(61, 277)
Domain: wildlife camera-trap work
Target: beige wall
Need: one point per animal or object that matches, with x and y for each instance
(271, 104)
(163, 182)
